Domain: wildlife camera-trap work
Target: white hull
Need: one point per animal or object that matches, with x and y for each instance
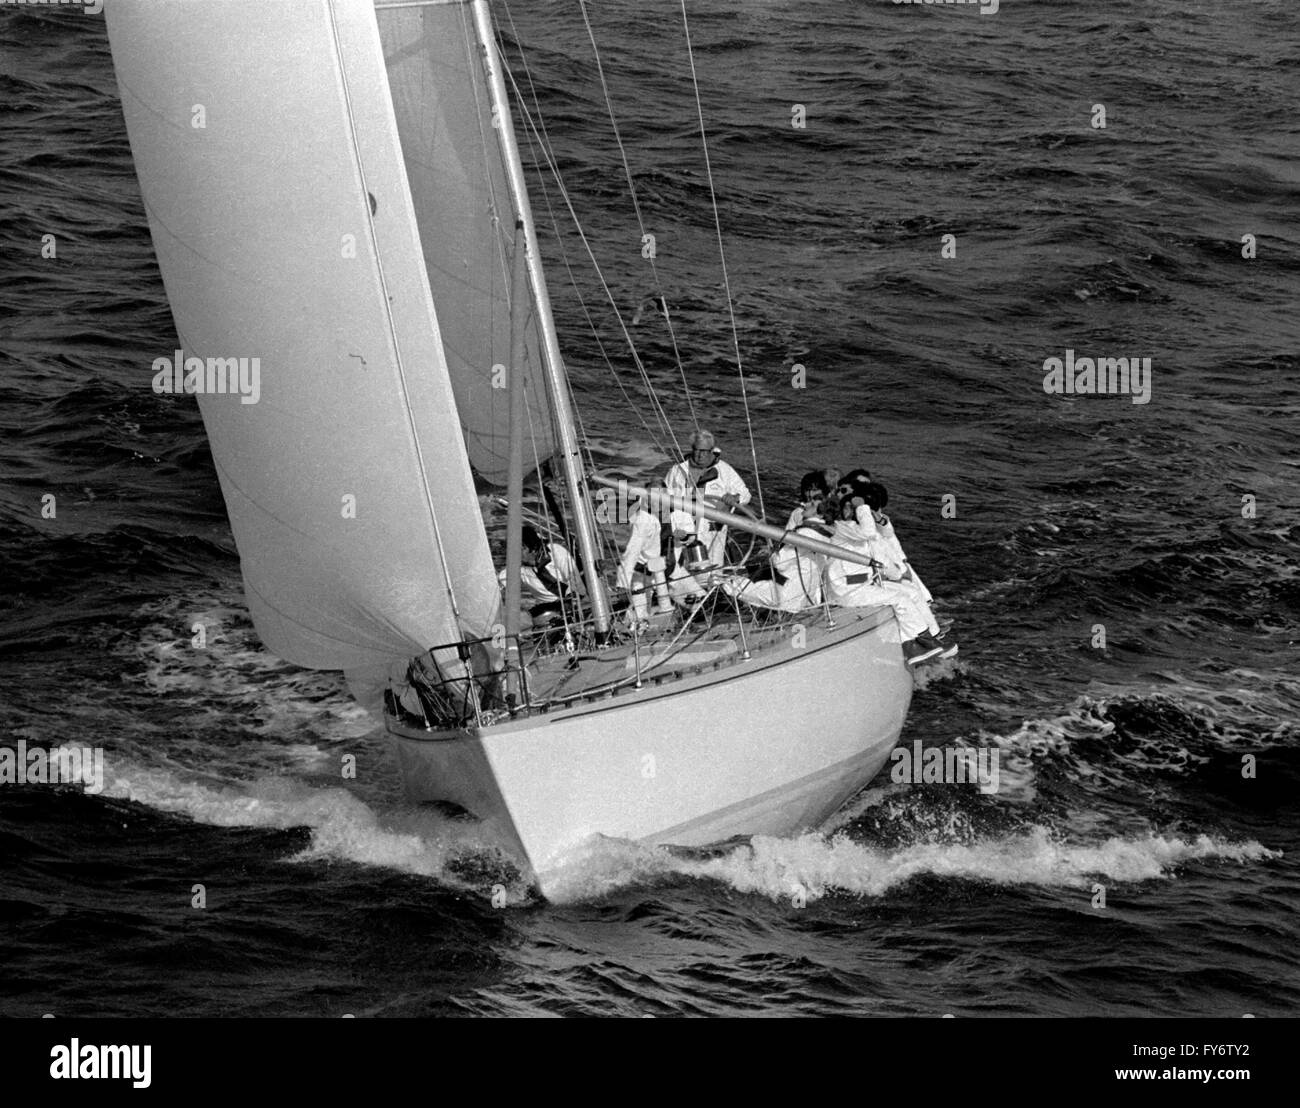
(771, 745)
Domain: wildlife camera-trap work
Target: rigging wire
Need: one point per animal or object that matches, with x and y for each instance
(655, 403)
(607, 546)
(726, 281)
(600, 345)
(582, 300)
(604, 536)
(539, 130)
(636, 207)
(536, 129)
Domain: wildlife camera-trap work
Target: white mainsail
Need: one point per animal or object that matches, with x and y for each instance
(271, 169)
(467, 220)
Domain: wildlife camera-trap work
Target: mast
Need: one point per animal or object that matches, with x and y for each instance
(515, 487)
(570, 459)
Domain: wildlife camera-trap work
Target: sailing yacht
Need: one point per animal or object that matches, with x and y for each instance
(335, 187)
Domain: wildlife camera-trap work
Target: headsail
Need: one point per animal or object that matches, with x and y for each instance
(467, 221)
(269, 160)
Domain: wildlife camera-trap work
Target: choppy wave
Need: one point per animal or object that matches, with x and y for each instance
(811, 866)
(200, 652)
(1120, 764)
(343, 826)
(296, 723)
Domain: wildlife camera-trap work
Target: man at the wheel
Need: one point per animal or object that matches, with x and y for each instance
(703, 473)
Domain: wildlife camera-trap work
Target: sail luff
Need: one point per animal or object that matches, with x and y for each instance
(569, 457)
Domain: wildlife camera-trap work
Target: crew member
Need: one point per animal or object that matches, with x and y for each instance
(547, 575)
(813, 490)
(795, 582)
(895, 566)
(703, 473)
(858, 586)
(643, 566)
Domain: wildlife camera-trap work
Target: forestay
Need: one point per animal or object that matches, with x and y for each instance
(269, 161)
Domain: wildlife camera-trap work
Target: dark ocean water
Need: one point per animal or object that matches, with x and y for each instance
(1121, 767)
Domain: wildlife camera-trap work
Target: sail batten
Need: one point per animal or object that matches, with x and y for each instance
(268, 154)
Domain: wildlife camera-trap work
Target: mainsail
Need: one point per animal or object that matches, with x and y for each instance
(467, 222)
(270, 164)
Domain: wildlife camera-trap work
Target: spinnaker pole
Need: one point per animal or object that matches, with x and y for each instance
(570, 459)
(659, 501)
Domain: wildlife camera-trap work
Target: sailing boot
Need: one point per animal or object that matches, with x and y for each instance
(947, 647)
(917, 653)
(659, 584)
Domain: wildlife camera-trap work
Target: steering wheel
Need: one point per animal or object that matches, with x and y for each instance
(738, 551)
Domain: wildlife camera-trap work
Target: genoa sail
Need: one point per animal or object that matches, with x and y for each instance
(467, 219)
(271, 168)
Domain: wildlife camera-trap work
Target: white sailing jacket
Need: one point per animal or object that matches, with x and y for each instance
(886, 548)
(802, 571)
(727, 483)
(899, 556)
(843, 579)
(856, 586)
(561, 567)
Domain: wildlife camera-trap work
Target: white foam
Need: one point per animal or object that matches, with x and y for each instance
(812, 866)
(300, 715)
(343, 826)
(421, 841)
